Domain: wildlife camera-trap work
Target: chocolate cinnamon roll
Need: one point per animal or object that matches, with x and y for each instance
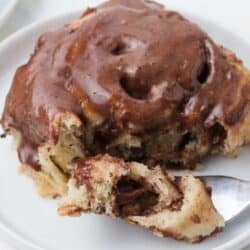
(131, 80)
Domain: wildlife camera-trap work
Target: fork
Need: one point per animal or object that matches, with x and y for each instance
(231, 196)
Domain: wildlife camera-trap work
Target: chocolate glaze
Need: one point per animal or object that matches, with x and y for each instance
(131, 61)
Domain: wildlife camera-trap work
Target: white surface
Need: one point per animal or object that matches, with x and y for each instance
(6, 8)
(5, 246)
(28, 214)
(28, 11)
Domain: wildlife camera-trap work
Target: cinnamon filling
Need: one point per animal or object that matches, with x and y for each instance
(134, 197)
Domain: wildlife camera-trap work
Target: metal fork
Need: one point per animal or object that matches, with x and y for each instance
(230, 196)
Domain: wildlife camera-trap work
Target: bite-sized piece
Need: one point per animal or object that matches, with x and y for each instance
(146, 197)
(145, 84)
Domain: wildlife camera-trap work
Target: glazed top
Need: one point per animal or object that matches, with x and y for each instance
(130, 62)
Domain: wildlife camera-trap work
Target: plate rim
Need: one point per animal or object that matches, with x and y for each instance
(240, 241)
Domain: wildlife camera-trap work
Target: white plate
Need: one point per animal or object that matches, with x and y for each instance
(6, 7)
(33, 221)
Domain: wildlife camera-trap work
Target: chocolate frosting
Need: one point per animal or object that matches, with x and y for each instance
(130, 61)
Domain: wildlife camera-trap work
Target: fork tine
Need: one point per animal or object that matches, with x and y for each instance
(230, 196)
